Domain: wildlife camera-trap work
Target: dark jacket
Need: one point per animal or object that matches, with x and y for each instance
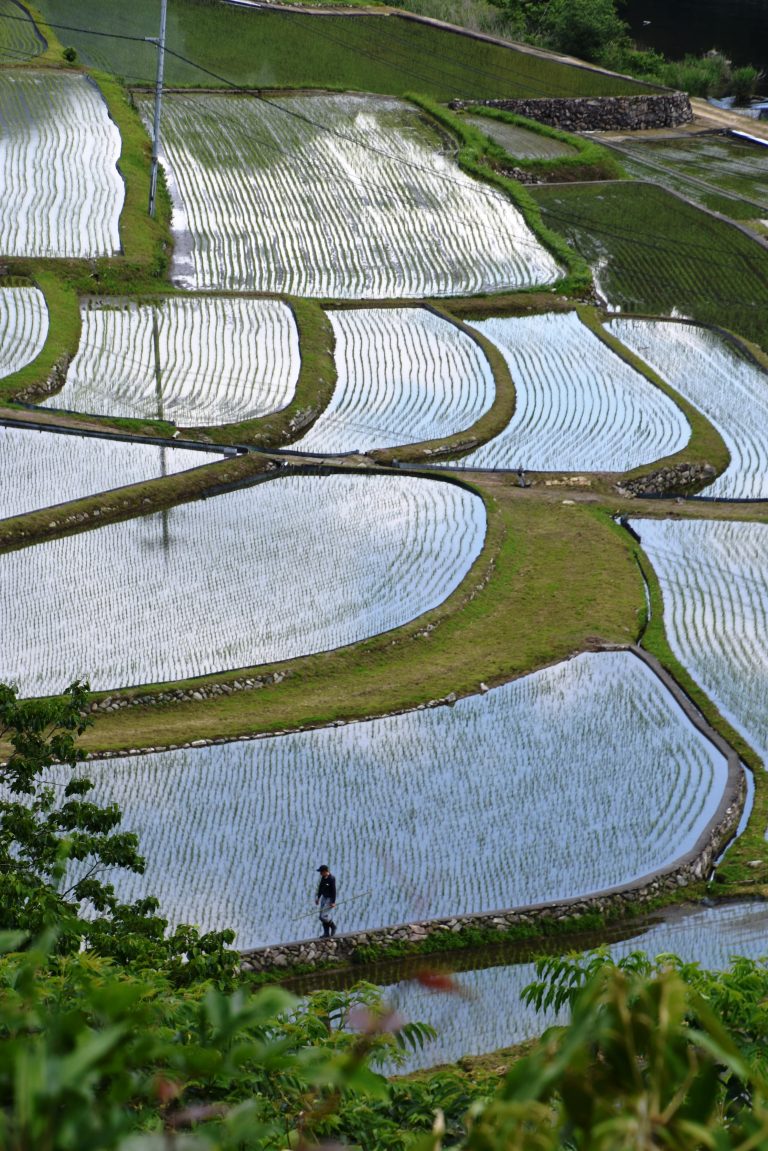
(327, 887)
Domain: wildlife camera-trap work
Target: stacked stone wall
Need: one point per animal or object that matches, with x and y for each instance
(597, 113)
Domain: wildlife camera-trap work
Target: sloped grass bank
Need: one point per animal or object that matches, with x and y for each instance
(656, 254)
(550, 580)
(383, 52)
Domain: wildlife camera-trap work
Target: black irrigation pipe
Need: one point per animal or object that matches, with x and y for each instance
(123, 437)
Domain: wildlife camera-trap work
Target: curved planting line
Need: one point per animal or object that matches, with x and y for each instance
(714, 580)
(295, 566)
(357, 203)
(727, 385)
(579, 406)
(60, 191)
(23, 327)
(40, 468)
(405, 375)
(194, 361)
(19, 38)
(445, 811)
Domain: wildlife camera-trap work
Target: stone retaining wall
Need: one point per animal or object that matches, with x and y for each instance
(691, 868)
(597, 113)
(681, 479)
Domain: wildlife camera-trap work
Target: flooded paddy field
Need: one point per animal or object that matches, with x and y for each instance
(432, 813)
(289, 567)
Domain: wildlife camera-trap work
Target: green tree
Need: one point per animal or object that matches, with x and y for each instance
(57, 847)
(583, 28)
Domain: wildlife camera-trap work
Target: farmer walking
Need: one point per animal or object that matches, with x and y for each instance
(326, 899)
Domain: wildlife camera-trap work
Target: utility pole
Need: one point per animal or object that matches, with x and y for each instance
(160, 41)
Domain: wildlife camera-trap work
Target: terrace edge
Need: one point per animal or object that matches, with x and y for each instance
(692, 867)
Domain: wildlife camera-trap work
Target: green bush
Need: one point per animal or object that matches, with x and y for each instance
(744, 83)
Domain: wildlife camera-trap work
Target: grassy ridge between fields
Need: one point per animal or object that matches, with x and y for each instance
(549, 581)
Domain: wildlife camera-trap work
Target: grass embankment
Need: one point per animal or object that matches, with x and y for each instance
(706, 445)
(61, 341)
(655, 254)
(478, 155)
(385, 53)
(550, 580)
(590, 161)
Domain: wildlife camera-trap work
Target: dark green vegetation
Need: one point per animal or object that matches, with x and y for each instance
(265, 49)
(724, 174)
(653, 253)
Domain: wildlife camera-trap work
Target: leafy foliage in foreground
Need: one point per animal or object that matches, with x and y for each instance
(56, 844)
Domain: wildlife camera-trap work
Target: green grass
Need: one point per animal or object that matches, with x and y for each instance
(656, 253)
(61, 341)
(550, 580)
(376, 53)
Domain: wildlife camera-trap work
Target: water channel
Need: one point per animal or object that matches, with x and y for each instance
(486, 1012)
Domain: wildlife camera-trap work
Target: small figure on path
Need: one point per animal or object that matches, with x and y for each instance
(326, 898)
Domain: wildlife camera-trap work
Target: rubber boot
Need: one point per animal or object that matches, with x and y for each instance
(333, 928)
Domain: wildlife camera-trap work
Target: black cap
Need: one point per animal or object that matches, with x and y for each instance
(323, 867)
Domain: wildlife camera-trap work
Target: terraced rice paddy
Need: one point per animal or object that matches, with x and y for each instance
(722, 173)
(19, 40)
(521, 142)
(579, 406)
(404, 375)
(490, 1014)
(196, 362)
(39, 469)
(60, 191)
(292, 566)
(435, 812)
(655, 254)
(714, 578)
(23, 327)
(727, 386)
(333, 196)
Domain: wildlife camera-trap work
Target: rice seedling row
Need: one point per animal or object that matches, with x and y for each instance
(286, 49)
(489, 1013)
(334, 196)
(60, 191)
(730, 389)
(404, 375)
(714, 579)
(570, 780)
(19, 40)
(292, 566)
(655, 254)
(197, 362)
(23, 327)
(39, 469)
(578, 405)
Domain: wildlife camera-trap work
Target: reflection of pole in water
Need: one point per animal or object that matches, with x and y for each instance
(165, 513)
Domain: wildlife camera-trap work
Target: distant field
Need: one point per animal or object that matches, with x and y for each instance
(18, 39)
(385, 54)
(655, 254)
(721, 173)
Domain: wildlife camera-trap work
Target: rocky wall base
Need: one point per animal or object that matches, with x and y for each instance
(598, 113)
